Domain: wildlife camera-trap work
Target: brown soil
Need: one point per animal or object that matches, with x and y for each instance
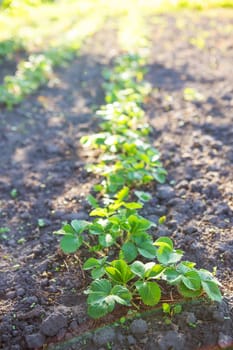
(42, 159)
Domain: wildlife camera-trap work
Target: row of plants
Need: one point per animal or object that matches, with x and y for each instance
(127, 266)
(8, 47)
(31, 74)
(38, 69)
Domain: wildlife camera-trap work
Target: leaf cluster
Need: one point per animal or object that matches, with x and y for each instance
(32, 73)
(132, 275)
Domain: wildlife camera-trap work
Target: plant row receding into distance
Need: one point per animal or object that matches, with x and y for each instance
(126, 265)
(38, 68)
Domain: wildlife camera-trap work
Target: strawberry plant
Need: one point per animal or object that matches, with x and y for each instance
(128, 267)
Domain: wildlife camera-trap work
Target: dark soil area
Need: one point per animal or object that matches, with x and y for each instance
(43, 183)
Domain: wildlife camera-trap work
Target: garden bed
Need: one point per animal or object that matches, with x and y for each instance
(44, 183)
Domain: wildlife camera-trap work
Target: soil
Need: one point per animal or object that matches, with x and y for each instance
(41, 290)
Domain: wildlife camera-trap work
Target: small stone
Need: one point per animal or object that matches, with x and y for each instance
(171, 340)
(139, 327)
(182, 184)
(162, 231)
(190, 229)
(11, 295)
(165, 192)
(52, 149)
(74, 325)
(153, 218)
(160, 210)
(25, 216)
(224, 340)
(131, 340)
(222, 209)
(16, 347)
(32, 300)
(218, 316)
(53, 323)
(35, 340)
(190, 318)
(52, 289)
(61, 334)
(104, 336)
(20, 292)
(29, 329)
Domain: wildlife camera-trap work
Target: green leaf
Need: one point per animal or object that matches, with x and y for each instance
(102, 297)
(98, 187)
(70, 243)
(99, 212)
(160, 175)
(119, 271)
(177, 309)
(138, 223)
(100, 309)
(79, 225)
(164, 242)
(96, 229)
(97, 272)
(92, 201)
(122, 295)
(150, 292)
(138, 268)
(147, 250)
(192, 280)
(162, 220)
(165, 253)
(129, 251)
(132, 205)
(166, 256)
(143, 196)
(99, 299)
(90, 263)
(67, 228)
(99, 288)
(212, 290)
(186, 292)
(155, 271)
(172, 276)
(106, 240)
(166, 308)
(122, 194)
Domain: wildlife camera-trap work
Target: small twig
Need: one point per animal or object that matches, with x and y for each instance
(80, 265)
(67, 267)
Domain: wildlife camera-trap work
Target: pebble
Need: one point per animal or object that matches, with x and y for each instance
(20, 292)
(165, 192)
(104, 336)
(171, 340)
(35, 340)
(11, 295)
(74, 325)
(153, 218)
(29, 329)
(163, 231)
(224, 340)
(32, 300)
(138, 327)
(61, 334)
(16, 347)
(160, 210)
(52, 149)
(190, 229)
(190, 317)
(53, 323)
(131, 340)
